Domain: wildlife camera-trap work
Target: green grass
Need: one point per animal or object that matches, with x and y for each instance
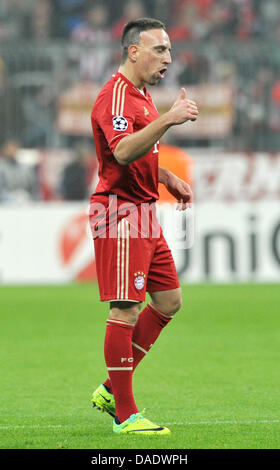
(212, 377)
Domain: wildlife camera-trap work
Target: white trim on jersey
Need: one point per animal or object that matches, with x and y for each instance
(114, 95)
(122, 100)
(118, 98)
(123, 260)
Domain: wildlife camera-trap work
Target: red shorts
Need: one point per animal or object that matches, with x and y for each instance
(128, 266)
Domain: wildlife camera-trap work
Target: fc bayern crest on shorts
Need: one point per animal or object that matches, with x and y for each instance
(119, 123)
(139, 280)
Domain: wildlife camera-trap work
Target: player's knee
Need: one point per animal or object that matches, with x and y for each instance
(178, 304)
(129, 316)
(171, 306)
(174, 305)
(125, 311)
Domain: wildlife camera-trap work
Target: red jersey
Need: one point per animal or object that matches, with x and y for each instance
(121, 109)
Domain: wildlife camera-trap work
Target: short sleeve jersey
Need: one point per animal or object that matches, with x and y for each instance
(121, 109)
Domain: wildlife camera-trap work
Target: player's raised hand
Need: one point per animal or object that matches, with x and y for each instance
(183, 109)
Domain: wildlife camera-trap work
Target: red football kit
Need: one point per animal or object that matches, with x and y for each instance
(132, 257)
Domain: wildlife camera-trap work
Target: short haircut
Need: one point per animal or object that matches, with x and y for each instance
(131, 32)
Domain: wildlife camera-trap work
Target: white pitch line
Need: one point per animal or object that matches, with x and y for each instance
(34, 426)
(213, 423)
(187, 423)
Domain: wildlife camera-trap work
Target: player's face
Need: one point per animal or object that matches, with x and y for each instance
(153, 55)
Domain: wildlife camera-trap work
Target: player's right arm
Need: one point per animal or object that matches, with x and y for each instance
(134, 146)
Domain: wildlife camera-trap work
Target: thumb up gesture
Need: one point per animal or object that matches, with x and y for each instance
(183, 109)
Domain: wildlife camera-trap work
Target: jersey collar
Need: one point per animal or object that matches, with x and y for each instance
(119, 74)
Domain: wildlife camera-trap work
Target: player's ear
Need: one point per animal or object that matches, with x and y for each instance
(133, 52)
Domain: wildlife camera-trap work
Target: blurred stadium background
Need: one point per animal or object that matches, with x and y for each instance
(54, 57)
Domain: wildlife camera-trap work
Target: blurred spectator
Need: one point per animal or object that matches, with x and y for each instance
(67, 14)
(193, 19)
(77, 175)
(11, 112)
(14, 16)
(17, 181)
(189, 23)
(223, 18)
(160, 9)
(247, 19)
(269, 18)
(39, 107)
(277, 31)
(253, 110)
(261, 89)
(195, 69)
(275, 106)
(132, 9)
(188, 68)
(202, 5)
(92, 36)
(233, 18)
(41, 20)
(94, 27)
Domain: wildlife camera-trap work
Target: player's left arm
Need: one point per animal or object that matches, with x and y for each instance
(177, 187)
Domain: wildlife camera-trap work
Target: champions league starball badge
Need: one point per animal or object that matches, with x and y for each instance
(119, 123)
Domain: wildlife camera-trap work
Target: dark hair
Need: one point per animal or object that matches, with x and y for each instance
(131, 32)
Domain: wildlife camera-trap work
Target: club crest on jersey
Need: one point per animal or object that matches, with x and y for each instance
(139, 280)
(119, 123)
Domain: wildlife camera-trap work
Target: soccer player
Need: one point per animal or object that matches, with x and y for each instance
(127, 128)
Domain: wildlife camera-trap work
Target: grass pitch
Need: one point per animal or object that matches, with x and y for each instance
(212, 377)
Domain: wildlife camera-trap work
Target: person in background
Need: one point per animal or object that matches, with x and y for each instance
(76, 175)
(12, 116)
(132, 9)
(17, 181)
(14, 19)
(67, 14)
(92, 61)
(41, 20)
(94, 26)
